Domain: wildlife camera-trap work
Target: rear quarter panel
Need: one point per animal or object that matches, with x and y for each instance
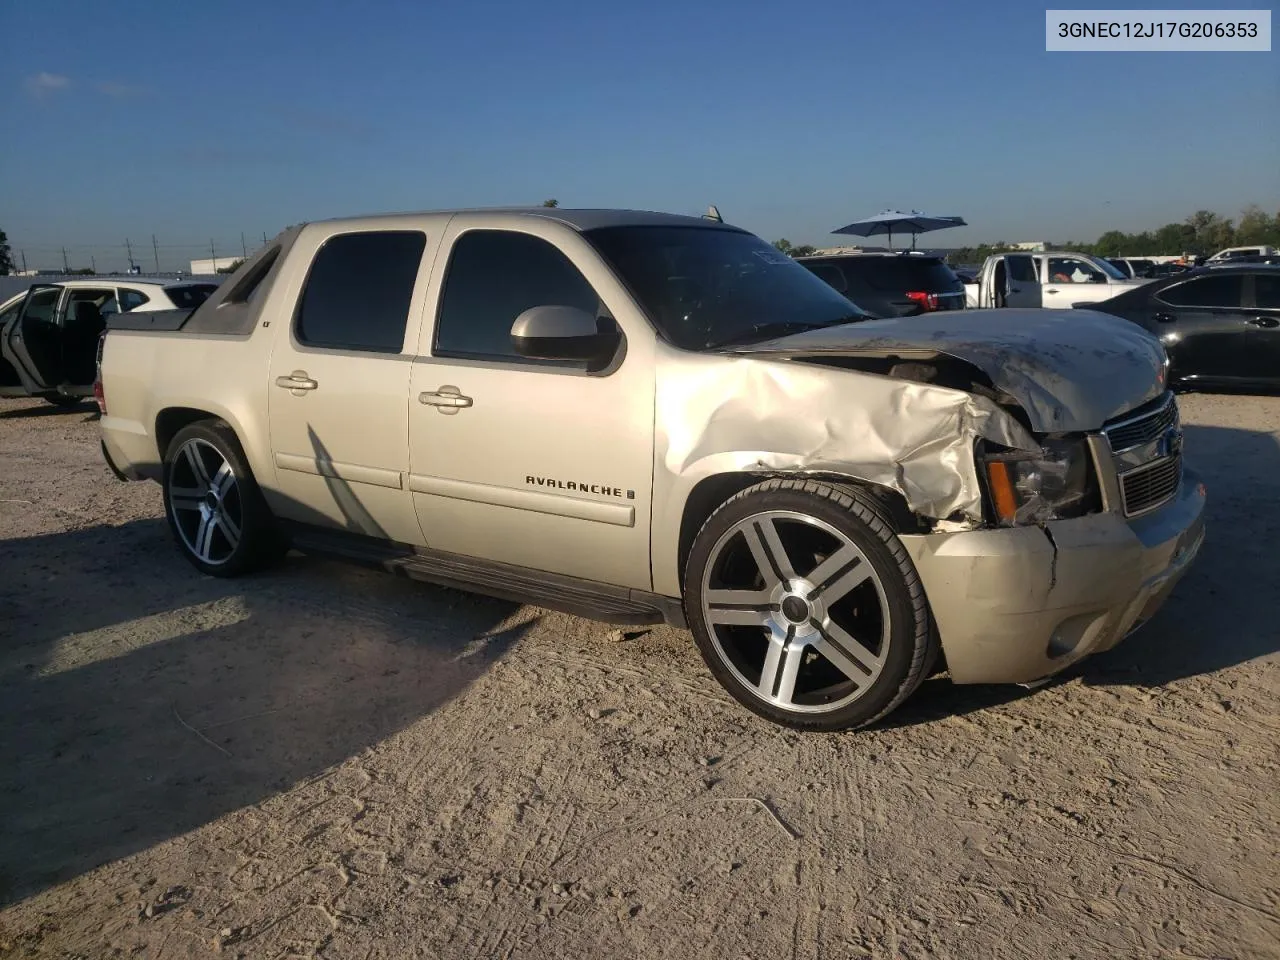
(145, 373)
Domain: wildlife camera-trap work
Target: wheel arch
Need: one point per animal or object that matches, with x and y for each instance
(710, 492)
(170, 420)
(253, 441)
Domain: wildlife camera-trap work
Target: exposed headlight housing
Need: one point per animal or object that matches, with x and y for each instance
(1056, 484)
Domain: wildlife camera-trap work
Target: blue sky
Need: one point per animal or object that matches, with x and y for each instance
(200, 121)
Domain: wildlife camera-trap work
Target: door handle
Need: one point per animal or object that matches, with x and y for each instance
(1015, 289)
(1265, 322)
(1164, 318)
(448, 399)
(298, 381)
(1052, 290)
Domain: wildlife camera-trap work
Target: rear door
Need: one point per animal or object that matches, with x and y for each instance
(1204, 322)
(81, 324)
(339, 382)
(1023, 284)
(1263, 318)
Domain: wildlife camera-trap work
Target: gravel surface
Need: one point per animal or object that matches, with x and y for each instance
(328, 761)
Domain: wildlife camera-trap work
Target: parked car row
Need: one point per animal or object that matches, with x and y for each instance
(1220, 325)
(49, 334)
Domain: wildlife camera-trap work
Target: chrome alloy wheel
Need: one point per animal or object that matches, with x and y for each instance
(796, 611)
(205, 501)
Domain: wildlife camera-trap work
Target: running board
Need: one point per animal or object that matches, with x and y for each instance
(584, 598)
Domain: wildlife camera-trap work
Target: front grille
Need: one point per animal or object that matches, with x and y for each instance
(1151, 485)
(1144, 428)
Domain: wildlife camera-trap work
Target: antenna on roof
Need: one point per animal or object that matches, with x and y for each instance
(713, 214)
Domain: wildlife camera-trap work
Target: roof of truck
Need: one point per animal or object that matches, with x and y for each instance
(588, 219)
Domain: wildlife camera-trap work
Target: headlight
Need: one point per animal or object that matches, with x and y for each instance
(1055, 484)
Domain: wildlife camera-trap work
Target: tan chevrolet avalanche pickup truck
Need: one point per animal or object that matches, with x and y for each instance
(644, 418)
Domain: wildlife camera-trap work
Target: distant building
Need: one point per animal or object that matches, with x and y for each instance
(206, 267)
(1033, 246)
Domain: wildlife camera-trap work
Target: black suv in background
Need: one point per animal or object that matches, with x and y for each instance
(890, 284)
(1220, 325)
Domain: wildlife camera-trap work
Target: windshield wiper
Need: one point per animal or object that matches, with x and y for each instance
(768, 331)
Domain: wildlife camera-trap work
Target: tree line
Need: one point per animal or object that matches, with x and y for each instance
(1201, 234)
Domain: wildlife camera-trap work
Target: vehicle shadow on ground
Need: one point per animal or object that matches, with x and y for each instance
(143, 700)
(43, 409)
(1220, 614)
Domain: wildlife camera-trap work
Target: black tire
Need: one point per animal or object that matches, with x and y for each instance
(259, 541)
(65, 402)
(908, 647)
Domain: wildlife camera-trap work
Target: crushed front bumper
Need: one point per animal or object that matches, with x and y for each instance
(1019, 604)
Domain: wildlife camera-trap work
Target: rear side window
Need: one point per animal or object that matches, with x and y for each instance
(359, 289)
(493, 277)
(132, 299)
(904, 273)
(1266, 290)
(831, 273)
(1219, 291)
(190, 295)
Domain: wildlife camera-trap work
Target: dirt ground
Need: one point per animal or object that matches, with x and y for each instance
(327, 761)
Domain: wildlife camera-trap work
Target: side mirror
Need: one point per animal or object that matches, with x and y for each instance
(557, 332)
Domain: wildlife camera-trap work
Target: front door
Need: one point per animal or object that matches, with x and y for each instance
(1209, 326)
(1023, 284)
(32, 342)
(1064, 280)
(540, 464)
(338, 389)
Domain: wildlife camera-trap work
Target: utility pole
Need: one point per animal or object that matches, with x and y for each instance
(155, 247)
(244, 251)
(93, 262)
(129, 250)
(66, 267)
(24, 260)
(213, 253)
(264, 238)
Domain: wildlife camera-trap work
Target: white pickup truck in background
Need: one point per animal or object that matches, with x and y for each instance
(1051, 279)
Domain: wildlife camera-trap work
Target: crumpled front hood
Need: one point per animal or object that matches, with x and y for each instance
(1070, 370)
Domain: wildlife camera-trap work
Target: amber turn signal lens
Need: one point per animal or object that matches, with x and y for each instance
(1002, 495)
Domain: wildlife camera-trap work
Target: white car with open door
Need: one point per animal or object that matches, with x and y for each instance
(1053, 279)
(49, 334)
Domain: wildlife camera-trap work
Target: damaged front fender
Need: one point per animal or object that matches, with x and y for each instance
(734, 414)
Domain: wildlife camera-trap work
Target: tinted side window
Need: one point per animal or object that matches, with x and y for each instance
(901, 273)
(493, 277)
(130, 299)
(189, 296)
(831, 273)
(358, 291)
(1022, 269)
(1266, 290)
(1217, 291)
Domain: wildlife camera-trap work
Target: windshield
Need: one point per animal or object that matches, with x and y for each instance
(1109, 269)
(704, 287)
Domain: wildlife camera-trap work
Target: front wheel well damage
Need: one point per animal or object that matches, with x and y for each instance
(711, 492)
